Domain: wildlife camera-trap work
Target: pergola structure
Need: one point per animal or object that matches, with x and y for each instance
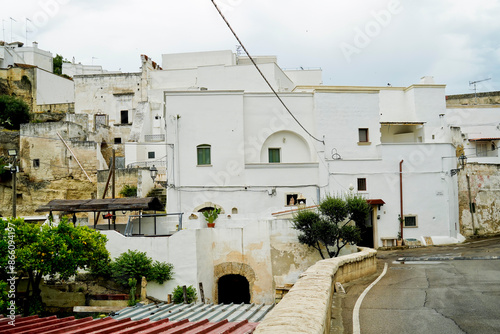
(102, 205)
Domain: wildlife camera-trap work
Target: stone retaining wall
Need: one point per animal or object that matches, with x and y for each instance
(306, 308)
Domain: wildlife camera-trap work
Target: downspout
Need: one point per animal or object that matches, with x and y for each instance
(401, 196)
(470, 204)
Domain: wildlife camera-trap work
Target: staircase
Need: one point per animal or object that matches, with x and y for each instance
(159, 193)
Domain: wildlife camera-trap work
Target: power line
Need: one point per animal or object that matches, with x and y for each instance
(263, 76)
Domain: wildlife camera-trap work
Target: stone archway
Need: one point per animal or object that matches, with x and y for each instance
(233, 268)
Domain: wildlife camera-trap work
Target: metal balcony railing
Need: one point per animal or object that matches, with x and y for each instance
(154, 138)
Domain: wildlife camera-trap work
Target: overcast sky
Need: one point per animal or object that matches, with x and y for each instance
(355, 42)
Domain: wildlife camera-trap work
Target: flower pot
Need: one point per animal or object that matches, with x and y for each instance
(399, 242)
(211, 225)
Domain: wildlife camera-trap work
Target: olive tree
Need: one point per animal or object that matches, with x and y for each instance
(333, 226)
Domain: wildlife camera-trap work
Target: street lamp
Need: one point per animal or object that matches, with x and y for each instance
(13, 170)
(154, 172)
(462, 160)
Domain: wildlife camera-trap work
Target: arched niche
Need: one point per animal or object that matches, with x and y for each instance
(290, 146)
(208, 206)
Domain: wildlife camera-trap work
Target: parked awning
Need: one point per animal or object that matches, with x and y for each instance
(99, 205)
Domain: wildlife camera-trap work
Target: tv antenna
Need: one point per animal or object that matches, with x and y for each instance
(475, 88)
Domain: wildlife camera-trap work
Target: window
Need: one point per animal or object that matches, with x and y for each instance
(36, 163)
(363, 135)
(274, 155)
(203, 152)
(118, 140)
(151, 155)
(362, 184)
(124, 116)
(291, 199)
(481, 149)
(410, 221)
(100, 119)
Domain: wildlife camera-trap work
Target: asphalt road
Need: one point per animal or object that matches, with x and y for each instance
(446, 289)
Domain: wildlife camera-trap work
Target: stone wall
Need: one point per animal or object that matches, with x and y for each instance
(307, 306)
(479, 184)
(472, 99)
(19, 82)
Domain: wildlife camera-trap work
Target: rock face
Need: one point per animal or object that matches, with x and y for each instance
(32, 193)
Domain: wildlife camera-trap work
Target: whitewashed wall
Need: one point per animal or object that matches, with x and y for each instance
(270, 248)
(53, 89)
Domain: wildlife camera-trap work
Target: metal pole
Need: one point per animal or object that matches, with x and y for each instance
(14, 195)
(470, 205)
(73, 154)
(401, 195)
(113, 189)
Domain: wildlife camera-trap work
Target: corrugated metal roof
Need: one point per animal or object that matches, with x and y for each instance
(107, 204)
(153, 318)
(70, 325)
(195, 312)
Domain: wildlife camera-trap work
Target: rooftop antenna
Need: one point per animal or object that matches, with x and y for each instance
(27, 30)
(11, 19)
(3, 28)
(475, 88)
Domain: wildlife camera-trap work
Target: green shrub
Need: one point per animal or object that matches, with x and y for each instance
(13, 112)
(128, 191)
(132, 283)
(161, 272)
(135, 264)
(178, 294)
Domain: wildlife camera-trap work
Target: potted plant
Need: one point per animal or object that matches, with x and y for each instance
(211, 216)
(399, 241)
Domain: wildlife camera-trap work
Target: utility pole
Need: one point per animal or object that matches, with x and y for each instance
(13, 170)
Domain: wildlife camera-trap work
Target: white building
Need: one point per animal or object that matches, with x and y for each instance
(17, 53)
(222, 139)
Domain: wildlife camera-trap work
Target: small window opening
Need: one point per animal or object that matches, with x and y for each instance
(361, 184)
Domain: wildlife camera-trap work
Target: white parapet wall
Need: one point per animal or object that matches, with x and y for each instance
(306, 308)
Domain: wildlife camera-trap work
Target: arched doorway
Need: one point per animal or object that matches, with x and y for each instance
(233, 289)
(234, 270)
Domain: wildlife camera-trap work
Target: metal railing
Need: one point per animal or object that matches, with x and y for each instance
(130, 224)
(154, 138)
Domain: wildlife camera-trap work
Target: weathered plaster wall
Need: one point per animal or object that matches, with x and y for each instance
(484, 189)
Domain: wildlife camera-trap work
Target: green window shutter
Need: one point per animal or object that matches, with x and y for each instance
(274, 155)
(203, 155)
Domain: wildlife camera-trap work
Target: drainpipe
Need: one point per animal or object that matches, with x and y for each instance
(470, 204)
(401, 195)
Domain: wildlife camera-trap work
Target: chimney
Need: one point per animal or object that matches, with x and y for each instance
(429, 80)
(35, 45)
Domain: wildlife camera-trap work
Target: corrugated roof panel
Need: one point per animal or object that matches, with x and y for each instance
(148, 319)
(127, 326)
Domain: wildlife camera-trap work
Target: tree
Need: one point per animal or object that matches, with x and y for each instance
(57, 61)
(333, 227)
(13, 112)
(43, 250)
